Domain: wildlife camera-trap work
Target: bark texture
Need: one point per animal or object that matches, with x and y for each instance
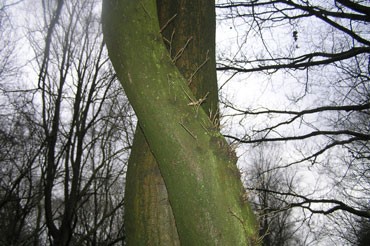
(188, 30)
(199, 170)
(148, 214)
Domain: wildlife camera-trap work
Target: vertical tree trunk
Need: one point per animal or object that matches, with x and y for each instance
(199, 171)
(190, 25)
(148, 214)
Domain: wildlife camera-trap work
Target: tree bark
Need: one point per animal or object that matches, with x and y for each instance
(183, 22)
(198, 168)
(148, 214)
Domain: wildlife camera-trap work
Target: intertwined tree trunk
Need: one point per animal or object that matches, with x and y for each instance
(188, 30)
(205, 194)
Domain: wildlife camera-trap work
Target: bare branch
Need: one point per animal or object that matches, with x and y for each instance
(301, 62)
(359, 136)
(306, 203)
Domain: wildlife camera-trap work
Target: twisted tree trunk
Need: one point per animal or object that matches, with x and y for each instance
(189, 24)
(205, 194)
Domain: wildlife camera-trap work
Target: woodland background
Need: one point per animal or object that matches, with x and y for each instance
(295, 99)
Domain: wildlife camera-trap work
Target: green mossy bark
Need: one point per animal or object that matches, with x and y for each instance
(184, 22)
(200, 174)
(191, 24)
(148, 214)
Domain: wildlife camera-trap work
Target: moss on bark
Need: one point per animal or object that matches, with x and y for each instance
(146, 193)
(202, 180)
(148, 214)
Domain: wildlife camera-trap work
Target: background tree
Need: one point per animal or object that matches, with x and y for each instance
(19, 142)
(8, 38)
(364, 233)
(277, 224)
(83, 148)
(64, 138)
(322, 116)
(19, 188)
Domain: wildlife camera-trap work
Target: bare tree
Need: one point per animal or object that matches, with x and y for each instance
(19, 185)
(7, 40)
(277, 225)
(86, 133)
(318, 54)
(20, 142)
(64, 138)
